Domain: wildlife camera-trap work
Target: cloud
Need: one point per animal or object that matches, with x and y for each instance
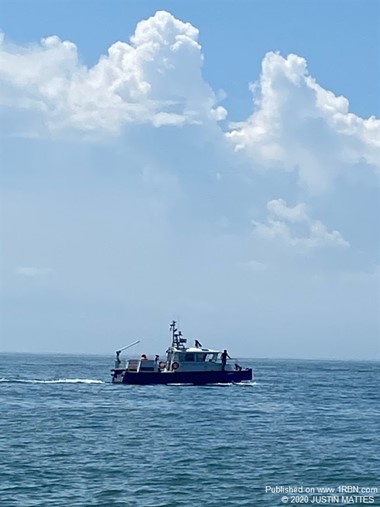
(293, 227)
(154, 79)
(32, 271)
(298, 125)
(279, 208)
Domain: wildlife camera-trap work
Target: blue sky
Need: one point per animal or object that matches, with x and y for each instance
(220, 167)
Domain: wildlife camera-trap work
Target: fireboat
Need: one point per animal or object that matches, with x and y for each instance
(183, 365)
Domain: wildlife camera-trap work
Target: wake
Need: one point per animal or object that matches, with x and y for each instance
(247, 383)
(57, 381)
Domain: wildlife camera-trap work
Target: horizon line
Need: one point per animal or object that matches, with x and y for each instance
(282, 358)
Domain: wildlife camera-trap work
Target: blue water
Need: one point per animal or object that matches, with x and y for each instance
(68, 437)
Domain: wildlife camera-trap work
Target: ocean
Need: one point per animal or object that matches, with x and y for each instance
(299, 433)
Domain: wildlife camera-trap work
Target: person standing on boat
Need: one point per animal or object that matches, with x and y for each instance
(197, 344)
(224, 356)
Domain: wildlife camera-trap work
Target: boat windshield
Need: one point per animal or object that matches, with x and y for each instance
(195, 356)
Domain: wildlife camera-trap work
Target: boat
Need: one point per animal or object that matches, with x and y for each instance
(183, 365)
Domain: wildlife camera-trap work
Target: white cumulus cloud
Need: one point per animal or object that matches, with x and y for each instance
(298, 125)
(156, 79)
(294, 227)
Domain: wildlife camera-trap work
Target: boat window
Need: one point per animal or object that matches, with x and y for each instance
(189, 357)
(212, 357)
(200, 357)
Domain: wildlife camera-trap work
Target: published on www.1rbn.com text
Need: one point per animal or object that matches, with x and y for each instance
(343, 494)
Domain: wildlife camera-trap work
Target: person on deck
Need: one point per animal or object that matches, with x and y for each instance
(224, 356)
(198, 344)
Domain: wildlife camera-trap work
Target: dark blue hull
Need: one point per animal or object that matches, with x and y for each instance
(181, 377)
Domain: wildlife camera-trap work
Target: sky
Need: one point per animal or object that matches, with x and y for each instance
(211, 162)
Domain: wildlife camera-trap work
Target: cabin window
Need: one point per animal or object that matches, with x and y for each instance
(212, 357)
(189, 357)
(201, 357)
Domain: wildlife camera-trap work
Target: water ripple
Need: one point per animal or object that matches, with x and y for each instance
(71, 438)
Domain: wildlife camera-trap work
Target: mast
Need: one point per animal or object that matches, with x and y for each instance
(177, 339)
(173, 330)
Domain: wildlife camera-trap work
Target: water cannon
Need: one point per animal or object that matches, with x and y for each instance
(127, 347)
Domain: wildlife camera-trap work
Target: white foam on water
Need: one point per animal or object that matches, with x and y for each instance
(211, 384)
(179, 384)
(57, 381)
(247, 383)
